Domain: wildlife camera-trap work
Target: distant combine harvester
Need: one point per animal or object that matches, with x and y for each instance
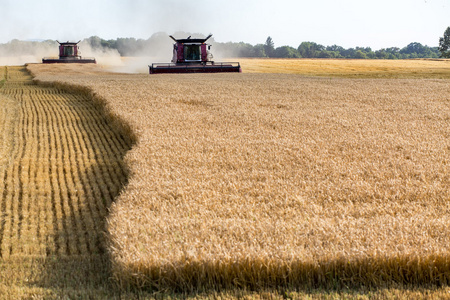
(69, 53)
(193, 56)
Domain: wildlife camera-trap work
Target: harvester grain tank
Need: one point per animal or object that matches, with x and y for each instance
(69, 53)
(193, 56)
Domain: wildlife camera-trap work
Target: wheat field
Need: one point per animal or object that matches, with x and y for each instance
(238, 185)
(351, 68)
(265, 180)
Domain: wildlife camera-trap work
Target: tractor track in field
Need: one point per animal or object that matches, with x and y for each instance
(61, 166)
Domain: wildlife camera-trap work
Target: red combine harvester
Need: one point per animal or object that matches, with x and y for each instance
(68, 53)
(193, 56)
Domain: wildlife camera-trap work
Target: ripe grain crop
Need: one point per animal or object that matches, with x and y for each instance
(60, 169)
(269, 180)
(351, 68)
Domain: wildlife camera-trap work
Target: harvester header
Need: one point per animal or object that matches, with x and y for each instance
(193, 56)
(68, 53)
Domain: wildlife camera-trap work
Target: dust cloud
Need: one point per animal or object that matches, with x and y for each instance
(138, 55)
(16, 53)
(104, 56)
(128, 55)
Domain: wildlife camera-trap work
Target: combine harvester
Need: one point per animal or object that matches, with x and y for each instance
(68, 53)
(193, 56)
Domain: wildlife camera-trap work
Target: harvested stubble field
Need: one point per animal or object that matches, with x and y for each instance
(269, 180)
(61, 166)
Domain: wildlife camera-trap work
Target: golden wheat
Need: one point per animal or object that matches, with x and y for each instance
(262, 180)
(351, 68)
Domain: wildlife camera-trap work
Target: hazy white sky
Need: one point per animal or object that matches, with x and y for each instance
(348, 23)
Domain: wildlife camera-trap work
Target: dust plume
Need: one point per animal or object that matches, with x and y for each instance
(104, 56)
(22, 52)
(156, 49)
(137, 55)
(16, 53)
(124, 55)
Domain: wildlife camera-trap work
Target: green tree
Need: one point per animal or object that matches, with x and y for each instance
(269, 47)
(381, 54)
(259, 50)
(360, 54)
(416, 50)
(444, 44)
(286, 52)
(310, 49)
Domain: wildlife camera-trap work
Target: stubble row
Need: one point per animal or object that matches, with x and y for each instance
(60, 170)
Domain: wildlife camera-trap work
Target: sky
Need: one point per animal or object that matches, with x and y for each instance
(348, 23)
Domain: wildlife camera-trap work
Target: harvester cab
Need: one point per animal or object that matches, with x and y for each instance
(191, 50)
(68, 53)
(193, 56)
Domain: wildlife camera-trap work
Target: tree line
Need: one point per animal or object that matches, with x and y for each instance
(160, 41)
(315, 50)
(132, 46)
